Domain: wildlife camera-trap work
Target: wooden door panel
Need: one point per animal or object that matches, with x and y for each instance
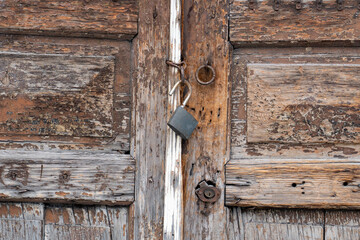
(33, 221)
(20, 221)
(80, 18)
(99, 222)
(59, 96)
(64, 93)
(295, 127)
(63, 176)
(342, 225)
(303, 103)
(264, 24)
(56, 95)
(282, 224)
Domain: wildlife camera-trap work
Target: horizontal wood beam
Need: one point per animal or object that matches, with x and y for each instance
(293, 183)
(77, 18)
(66, 176)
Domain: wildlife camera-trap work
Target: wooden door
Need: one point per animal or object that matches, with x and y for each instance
(65, 107)
(294, 120)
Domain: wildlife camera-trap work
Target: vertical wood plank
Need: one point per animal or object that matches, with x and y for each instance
(77, 223)
(205, 154)
(342, 225)
(150, 74)
(21, 221)
(271, 224)
(118, 220)
(173, 202)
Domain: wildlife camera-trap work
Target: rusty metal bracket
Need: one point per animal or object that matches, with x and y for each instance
(252, 4)
(276, 5)
(181, 66)
(340, 5)
(319, 4)
(207, 192)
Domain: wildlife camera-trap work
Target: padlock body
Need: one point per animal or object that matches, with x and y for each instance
(182, 123)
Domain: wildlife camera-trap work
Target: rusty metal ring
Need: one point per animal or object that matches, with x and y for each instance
(205, 82)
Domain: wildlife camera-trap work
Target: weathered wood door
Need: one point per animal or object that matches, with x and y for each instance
(84, 106)
(65, 110)
(295, 111)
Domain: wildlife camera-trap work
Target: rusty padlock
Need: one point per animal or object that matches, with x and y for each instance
(182, 122)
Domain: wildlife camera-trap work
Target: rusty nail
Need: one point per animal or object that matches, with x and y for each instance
(13, 175)
(319, 5)
(276, 5)
(65, 176)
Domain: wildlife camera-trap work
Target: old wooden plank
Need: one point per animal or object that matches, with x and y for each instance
(39, 67)
(56, 95)
(150, 93)
(275, 224)
(343, 225)
(173, 202)
(264, 24)
(119, 222)
(309, 183)
(234, 224)
(303, 103)
(20, 221)
(270, 224)
(319, 57)
(99, 18)
(76, 223)
(205, 41)
(81, 176)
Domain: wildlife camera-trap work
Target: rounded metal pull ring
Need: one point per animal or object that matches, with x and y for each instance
(205, 75)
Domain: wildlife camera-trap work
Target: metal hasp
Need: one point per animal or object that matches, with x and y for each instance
(207, 192)
(182, 122)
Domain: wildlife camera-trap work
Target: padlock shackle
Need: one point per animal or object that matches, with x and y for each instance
(189, 94)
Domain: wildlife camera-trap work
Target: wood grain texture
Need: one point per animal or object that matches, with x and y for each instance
(151, 47)
(82, 83)
(56, 95)
(119, 222)
(205, 37)
(303, 103)
(308, 183)
(98, 18)
(173, 199)
(342, 225)
(264, 24)
(281, 224)
(81, 176)
(20, 221)
(323, 58)
(77, 223)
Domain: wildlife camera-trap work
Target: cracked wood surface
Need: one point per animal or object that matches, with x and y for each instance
(32, 221)
(64, 93)
(66, 176)
(151, 48)
(78, 18)
(205, 41)
(265, 25)
(303, 103)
